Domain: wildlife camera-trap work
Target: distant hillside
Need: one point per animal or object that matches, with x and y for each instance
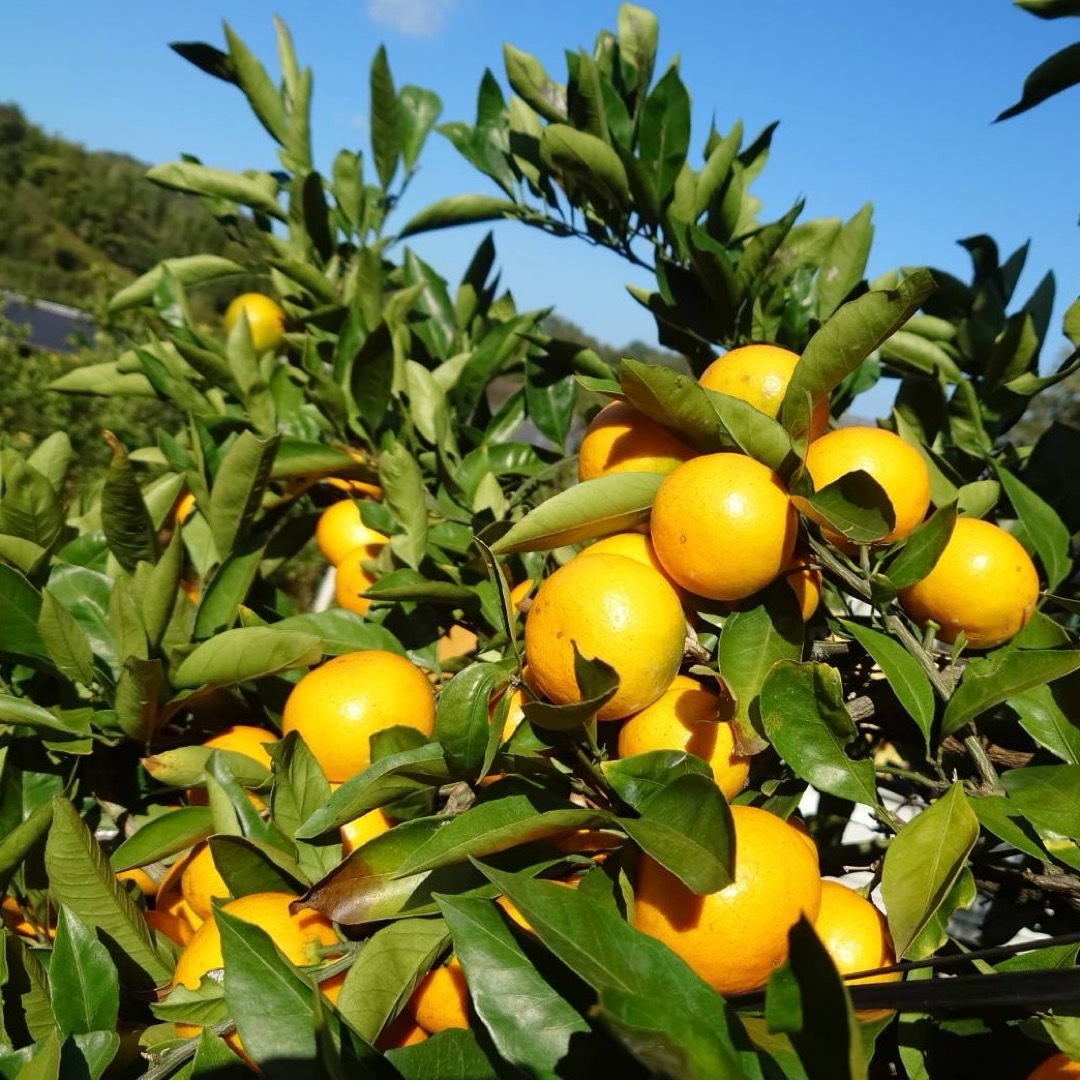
(638, 350)
(76, 224)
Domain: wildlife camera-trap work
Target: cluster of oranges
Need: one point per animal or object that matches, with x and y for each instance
(723, 527)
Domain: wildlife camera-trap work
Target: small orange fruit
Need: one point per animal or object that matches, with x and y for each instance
(856, 936)
(619, 438)
(146, 884)
(366, 827)
(689, 717)
(984, 584)
(616, 610)
(457, 641)
(351, 580)
(895, 464)
(804, 579)
(340, 531)
(266, 320)
(1055, 1067)
(171, 926)
(200, 882)
(759, 374)
(300, 937)
(185, 507)
(441, 1000)
(735, 938)
(246, 739)
(723, 526)
(634, 545)
(339, 705)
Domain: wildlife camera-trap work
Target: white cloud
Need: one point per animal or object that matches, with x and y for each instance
(416, 18)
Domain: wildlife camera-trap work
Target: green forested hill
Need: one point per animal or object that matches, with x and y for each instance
(75, 224)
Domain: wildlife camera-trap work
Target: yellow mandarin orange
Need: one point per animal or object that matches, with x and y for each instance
(619, 438)
(983, 584)
(246, 739)
(339, 705)
(340, 531)
(403, 1030)
(799, 826)
(22, 922)
(689, 717)
(366, 827)
(170, 897)
(804, 578)
(895, 464)
(351, 580)
(616, 610)
(171, 926)
(637, 546)
(457, 641)
(759, 374)
(521, 590)
(301, 937)
(856, 936)
(146, 884)
(266, 320)
(200, 882)
(1055, 1067)
(735, 938)
(185, 507)
(441, 999)
(723, 526)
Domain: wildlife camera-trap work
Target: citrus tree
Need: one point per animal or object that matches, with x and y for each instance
(712, 758)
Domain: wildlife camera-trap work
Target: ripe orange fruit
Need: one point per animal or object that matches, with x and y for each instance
(619, 438)
(200, 882)
(895, 464)
(457, 641)
(441, 1000)
(1055, 1067)
(340, 531)
(637, 546)
(520, 591)
(146, 884)
(298, 936)
(984, 583)
(171, 926)
(614, 609)
(805, 581)
(856, 936)
(339, 705)
(401, 1031)
(23, 922)
(351, 580)
(185, 507)
(723, 526)
(759, 374)
(735, 938)
(687, 716)
(246, 739)
(366, 827)
(266, 320)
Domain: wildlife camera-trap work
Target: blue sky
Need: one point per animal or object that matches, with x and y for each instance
(883, 103)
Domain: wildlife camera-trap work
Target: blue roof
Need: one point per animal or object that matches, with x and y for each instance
(49, 326)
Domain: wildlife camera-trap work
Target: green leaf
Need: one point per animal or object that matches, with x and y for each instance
(922, 548)
(842, 343)
(248, 865)
(638, 33)
(189, 270)
(125, 520)
(642, 986)
(258, 192)
(387, 970)
(855, 505)
(20, 610)
(23, 839)
(418, 109)
(238, 490)
(157, 596)
(253, 80)
(902, 672)
(81, 878)
(844, 266)
(1058, 72)
(462, 716)
(532, 1026)
(223, 597)
(66, 640)
(638, 778)
(990, 680)
(186, 766)
(589, 161)
(85, 986)
(607, 504)
(403, 488)
(249, 652)
(923, 862)
(269, 1000)
(825, 1034)
(1044, 719)
(1048, 796)
(29, 508)
(686, 827)
(997, 815)
(1050, 9)
(139, 692)
(454, 210)
(454, 1054)
(163, 836)
(342, 631)
(752, 641)
(384, 123)
(802, 710)
(1047, 531)
(664, 132)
